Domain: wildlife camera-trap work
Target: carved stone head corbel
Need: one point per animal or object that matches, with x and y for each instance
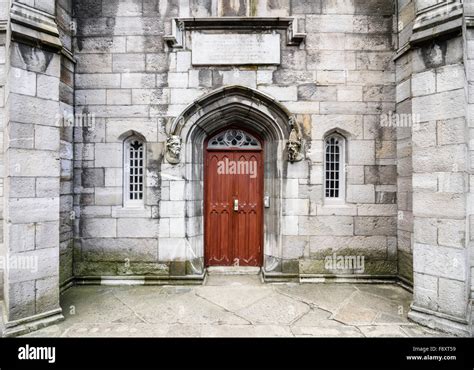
(295, 143)
(173, 149)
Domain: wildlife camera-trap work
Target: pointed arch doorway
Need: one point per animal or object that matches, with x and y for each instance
(253, 112)
(233, 199)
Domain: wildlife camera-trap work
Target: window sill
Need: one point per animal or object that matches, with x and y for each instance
(131, 212)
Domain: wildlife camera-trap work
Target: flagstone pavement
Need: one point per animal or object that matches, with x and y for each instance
(237, 306)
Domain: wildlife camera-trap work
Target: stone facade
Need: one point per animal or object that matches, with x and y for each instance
(83, 76)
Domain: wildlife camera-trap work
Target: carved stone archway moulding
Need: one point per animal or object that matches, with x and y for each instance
(245, 103)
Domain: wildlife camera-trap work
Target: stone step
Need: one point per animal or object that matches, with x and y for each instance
(233, 270)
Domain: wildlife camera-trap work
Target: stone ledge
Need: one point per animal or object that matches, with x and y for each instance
(436, 21)
(34, 26)
(32, 323)
(180, 25)
(140, 280)
(279, 277)
(440, 321)
(353, 279)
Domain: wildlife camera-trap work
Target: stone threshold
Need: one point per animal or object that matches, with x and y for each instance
(233, 270)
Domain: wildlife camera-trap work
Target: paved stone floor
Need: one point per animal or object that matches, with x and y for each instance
(237, 306)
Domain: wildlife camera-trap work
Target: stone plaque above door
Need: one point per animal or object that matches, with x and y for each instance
(235, 49)
(234, 40)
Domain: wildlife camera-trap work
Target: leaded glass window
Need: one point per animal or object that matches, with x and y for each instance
(234, 138)
(134, 172)
(334, 168)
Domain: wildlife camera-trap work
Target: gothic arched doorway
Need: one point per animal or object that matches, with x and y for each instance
(252, 112)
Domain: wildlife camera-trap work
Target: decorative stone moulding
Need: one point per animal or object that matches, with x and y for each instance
(259, 110)
(442, 18)
(180, 25)
(33, 26)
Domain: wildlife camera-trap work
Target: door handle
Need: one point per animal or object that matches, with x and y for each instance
(236, 205)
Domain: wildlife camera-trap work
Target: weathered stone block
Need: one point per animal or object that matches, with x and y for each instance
(98, 80)
(440, 261)
(423, 83)
(21, 237)
(361, 152)
(108, 196)
(425, 292)
(137, 80)
(445, 105)
(47, 138)
(98, 228)
(450, 77)
(119, 97)
(326, 225)
(290, 225)
(20, 135)
(360, 193)
(443, 205)
(22, 81)
(452, 233)
(47, 187)
(47, 294)
(108, 155)
(295, 207)
(305, 6)
(281, 93)
(380, 175)
(375, 226)
(39, 111)
(172, 249)
(21, 299)
(120, 249)
(452, 297)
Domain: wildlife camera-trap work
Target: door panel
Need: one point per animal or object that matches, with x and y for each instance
(233, 237)
(219, 223)
(247, 241)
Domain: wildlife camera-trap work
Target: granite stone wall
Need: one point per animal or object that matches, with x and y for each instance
(32, 172)
(3, 40)
(438, 83)
(67, 122)
(404, 70)
(341, 78)
(393, 78)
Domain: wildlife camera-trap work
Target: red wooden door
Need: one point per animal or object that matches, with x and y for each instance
(233, 207)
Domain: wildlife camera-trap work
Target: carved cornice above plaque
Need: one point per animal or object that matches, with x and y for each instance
(437, 20)
(34, 26)
(180, 25)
